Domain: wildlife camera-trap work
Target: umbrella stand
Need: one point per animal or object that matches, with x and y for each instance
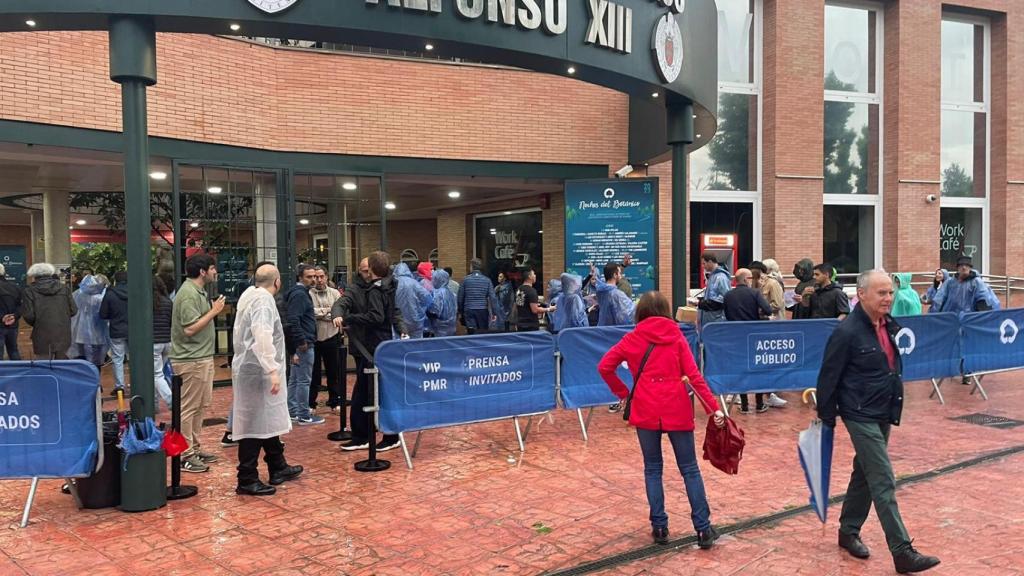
(176, 491)
(341, 435)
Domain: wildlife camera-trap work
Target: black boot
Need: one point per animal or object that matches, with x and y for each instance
(285, 474)
(660, 535)
(911, 560)
(853, 544)
(256, 488)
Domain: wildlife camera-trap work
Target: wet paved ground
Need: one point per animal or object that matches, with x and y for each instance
(466, 509)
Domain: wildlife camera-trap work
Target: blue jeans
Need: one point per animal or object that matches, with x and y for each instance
(94, 353)
(9, 341)
(298, 384)
(686, 459)
(117, 353)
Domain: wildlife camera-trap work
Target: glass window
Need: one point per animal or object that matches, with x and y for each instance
(960, 234)
(963, 56)
(729, 161)
(850, 35)
(736, 41)
(963, 154)
(851, 148)
(849, 234)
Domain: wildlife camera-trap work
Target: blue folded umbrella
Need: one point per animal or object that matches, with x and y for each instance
(815, 449)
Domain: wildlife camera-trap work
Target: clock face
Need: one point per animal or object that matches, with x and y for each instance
(668, 48)
(272, 6)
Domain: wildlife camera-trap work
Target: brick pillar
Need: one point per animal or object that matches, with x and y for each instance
(794, 40)
(912, 134)
(1007, 190)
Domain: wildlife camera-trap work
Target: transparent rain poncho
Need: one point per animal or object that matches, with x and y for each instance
(259, 349)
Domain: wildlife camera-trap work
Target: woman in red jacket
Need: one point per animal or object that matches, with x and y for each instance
(661, 404)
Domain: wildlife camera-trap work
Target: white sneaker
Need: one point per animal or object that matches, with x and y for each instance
(775, 402)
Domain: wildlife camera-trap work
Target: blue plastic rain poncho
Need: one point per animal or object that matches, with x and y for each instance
(412, 299)
(718, 285)
(259, 351)
(929, 296)
(87, 327)
(970, 295)
(571, 312)
(443, 308)
(505, 293)
(614, 307)
(906, 301)
(554, 299)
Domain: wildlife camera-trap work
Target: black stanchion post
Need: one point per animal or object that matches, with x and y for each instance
(342, 435)
(372, 464)
(176, 491)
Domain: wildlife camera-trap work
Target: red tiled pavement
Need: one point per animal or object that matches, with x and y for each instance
(466, 509)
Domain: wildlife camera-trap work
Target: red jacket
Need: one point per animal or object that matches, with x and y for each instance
(661, 402)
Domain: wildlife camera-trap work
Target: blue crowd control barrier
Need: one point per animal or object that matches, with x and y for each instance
(437, 382)
(741, 357)
(581, 350)
(992, 341)
(930, 346)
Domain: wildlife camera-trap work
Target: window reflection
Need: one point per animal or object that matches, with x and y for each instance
(963, 154)
(729, 161)
(851, 148)
(849, 49)
(963, 53)
(735, 41)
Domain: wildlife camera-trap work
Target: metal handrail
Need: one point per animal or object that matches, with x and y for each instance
(1001, 285)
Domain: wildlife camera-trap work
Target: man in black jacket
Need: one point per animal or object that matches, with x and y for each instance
(744, 303)
(114, 308)
(300, 337)
(373, 318)
(10, 315)
(860, 380)
(826, 299)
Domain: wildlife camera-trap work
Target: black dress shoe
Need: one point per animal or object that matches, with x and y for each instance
(911, 560)
(660, 535)
(853, 545)
(285, 474)
(256, 488)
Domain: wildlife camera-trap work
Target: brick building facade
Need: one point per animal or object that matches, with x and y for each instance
(837, 122)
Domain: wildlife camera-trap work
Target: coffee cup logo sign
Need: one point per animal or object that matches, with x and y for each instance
(273, 6)
(906, 341)
(1008, 331)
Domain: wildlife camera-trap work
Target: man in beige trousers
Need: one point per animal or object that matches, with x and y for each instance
(192, 346)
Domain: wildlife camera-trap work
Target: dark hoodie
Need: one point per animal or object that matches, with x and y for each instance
(380, 320)
(804, 272)
(48, 308)
(115, 309)
(829, 301)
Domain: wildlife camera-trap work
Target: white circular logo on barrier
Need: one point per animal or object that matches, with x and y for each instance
(272, 6)
(609, 193)
(668, 48)
(1008, 331)
(906, 348)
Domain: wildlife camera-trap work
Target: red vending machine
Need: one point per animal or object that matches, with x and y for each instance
(723, 246)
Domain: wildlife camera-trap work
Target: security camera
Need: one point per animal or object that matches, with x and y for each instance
(931, 198)
(624, 171)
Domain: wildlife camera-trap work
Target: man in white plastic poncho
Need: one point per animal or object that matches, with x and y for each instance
(260, 395)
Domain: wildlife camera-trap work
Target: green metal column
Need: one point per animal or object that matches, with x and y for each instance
(680, 135)
(133, 66)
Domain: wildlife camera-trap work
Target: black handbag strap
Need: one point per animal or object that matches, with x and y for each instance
(636, 382)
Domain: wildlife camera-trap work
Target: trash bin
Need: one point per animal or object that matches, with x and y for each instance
(103, 488)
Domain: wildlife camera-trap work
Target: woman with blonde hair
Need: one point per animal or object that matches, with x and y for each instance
(662, 366)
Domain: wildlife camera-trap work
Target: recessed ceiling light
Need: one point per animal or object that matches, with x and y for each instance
(235, 27)
(350, 186)
(493, 230)
(80, 222)
(571, 70)
(508, 212)
(429, 47)
(71, 227)
(698, 135)
(158, 175)
(454, 194)
(694, 116)
(304, 222)
(540, 231)
(389, 206)
(655, 94)
(30, 23)
(194, 224)
(214, 189)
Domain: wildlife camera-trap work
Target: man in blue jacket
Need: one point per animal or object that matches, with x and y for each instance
(477, 303)
(712, 305)
(300, 340)
(861, 381)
